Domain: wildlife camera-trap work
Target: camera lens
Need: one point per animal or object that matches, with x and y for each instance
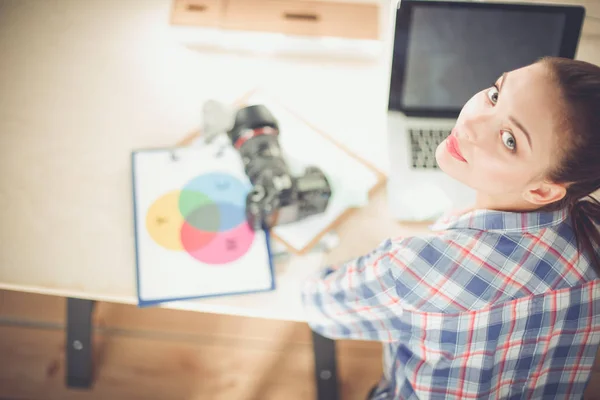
(251, 117)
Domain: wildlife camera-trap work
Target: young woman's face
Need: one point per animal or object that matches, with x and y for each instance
(506, 136)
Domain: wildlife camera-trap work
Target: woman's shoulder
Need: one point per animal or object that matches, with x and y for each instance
(440, 241)
(489, 234)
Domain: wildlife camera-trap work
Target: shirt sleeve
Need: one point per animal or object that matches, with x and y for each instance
(374, 297)
(355, 300)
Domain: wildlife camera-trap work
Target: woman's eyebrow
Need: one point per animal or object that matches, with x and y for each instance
(522, 128)
(513, 120)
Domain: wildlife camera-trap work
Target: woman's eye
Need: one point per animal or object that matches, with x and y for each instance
(509, 140)
(492, 94)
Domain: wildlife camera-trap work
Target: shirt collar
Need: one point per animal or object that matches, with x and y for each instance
(501, 221)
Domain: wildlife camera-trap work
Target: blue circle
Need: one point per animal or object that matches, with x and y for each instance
(230, 216)
(221, 188)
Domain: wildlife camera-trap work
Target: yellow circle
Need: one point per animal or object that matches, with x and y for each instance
(164, 221)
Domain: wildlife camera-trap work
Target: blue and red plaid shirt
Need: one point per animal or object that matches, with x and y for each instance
(491, 305)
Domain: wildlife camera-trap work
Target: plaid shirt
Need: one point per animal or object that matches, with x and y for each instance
(489, 305)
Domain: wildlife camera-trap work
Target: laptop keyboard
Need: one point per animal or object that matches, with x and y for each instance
(424, 142)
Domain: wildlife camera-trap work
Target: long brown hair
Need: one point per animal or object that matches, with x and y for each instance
(579, 168)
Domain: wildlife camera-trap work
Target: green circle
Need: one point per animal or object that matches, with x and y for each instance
(190, 201)
(199, 211)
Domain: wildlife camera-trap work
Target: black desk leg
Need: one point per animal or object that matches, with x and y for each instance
(325, 367)
(79, 343)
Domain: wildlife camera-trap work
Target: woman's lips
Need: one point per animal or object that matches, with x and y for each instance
(453, 147)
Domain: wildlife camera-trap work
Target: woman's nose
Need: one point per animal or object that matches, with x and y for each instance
(475, 125)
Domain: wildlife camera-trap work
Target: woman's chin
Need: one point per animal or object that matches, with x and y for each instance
(450, 166)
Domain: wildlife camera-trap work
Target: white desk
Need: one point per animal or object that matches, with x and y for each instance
(83, 83)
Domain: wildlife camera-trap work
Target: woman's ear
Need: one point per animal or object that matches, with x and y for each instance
(545, 193)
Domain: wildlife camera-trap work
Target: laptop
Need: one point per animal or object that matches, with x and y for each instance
(441, 53)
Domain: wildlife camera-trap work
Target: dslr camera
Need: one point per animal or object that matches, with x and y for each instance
(276, 197)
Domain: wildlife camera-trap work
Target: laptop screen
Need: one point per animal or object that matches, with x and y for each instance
(445, 53)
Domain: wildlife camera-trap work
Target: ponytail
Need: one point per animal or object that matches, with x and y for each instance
(579, 166)
(585, 215)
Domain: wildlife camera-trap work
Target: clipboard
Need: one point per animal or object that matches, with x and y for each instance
(192, 239)
(318, 228)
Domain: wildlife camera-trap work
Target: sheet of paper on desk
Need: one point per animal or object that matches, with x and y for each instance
(303, 146)
(192, 238)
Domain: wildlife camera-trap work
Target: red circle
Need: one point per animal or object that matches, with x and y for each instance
(193, 239)
(225, 247)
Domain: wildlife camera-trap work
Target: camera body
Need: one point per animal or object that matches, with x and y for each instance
(276, 197)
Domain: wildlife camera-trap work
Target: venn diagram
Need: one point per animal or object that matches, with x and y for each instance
(206, 219)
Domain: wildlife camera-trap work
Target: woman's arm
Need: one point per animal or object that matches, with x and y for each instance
(376, 295)
(356, 299)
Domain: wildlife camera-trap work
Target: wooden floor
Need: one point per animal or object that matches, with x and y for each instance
(166, 354)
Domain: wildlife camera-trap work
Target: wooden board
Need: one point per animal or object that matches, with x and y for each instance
(304, 18)
(207, 13)
(168, 354)
(325, 18)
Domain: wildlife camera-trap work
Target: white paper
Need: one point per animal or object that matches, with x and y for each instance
(303, 146)
(191, 233)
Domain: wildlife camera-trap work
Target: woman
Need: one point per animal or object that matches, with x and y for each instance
(502, 301)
